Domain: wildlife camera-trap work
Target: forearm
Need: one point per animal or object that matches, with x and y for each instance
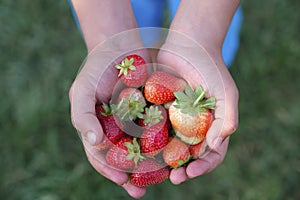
(100, 19)
(206, 21)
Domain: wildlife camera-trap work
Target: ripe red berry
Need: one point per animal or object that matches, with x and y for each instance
(160, 87)
(125, 154)
(156, 130)
(149, 172)
(133, 70)
(112, 131)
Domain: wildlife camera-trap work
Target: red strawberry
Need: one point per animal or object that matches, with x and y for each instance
(133, 70)
(125, 154)
(156, 130)
(112, 132)
(197, 150)
(176, 153)
(153, 140)
(148, 172)
(191, 114)
(160, 87)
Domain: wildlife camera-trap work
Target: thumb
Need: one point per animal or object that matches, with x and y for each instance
(83, 115)
(225, 122)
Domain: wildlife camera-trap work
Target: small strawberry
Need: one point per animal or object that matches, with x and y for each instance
(198, 150)
(133, 70)
(154, 115)
(130, 106)
(156, 130)
(128, 92)
(191, 114)
(148, 172)
(176, 153)
(111, 130)
(125, 154)
(160, 87)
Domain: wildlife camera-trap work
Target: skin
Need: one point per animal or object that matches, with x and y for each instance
(206, 23)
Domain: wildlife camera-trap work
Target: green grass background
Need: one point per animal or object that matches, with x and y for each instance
(42, 156)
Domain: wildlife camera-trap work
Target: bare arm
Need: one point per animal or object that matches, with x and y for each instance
(100, 19)
(206, 21)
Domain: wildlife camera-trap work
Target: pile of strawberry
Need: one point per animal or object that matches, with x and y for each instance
(155, 123)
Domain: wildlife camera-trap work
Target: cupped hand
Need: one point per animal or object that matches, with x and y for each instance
(198, 67)
(95, 83)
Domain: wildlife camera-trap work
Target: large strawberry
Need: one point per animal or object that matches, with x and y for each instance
(176, 153)
(160, 87)
(133, 70)
(148, 172)
(156, 130)
(125, 154)
(191, 114)
(111, 130)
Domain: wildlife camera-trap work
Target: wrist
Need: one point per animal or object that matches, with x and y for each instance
(93, 38)
(100, 20)
(205, 21)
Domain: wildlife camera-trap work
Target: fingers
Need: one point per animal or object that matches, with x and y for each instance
(94, 83)
(225, 113)
(82, 99)
(201, 166)
(97, 160)
(209, 162)
(134, 191)
(178, 176)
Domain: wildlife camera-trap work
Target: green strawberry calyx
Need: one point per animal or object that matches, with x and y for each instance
(134, 151)
(193, 102)
(182, 162)
(128, 109)
(107, 110)
(152, 115)
(125, 66)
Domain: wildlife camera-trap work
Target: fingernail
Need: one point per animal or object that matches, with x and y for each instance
(217, 142)
(91, 138)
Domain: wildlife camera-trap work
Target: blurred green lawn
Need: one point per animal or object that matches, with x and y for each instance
(42, 156)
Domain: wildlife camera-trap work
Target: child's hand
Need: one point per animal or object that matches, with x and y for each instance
(196, 66)
(95, 83)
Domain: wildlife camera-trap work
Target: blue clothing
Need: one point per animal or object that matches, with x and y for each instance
(232, 40)
(150, 13)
